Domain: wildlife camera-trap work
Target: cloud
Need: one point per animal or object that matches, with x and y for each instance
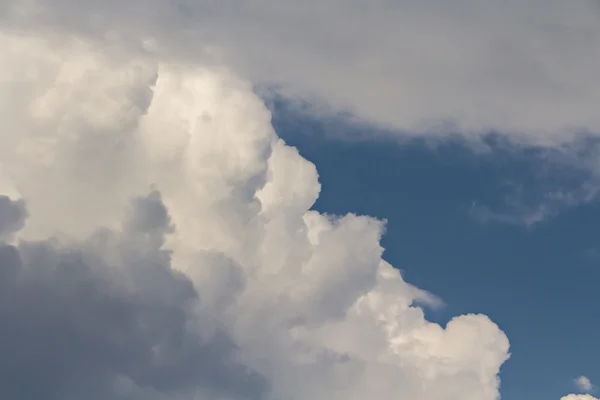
(539, 183)
(12, 216)
(220, 283)
(578, 397)
(406, 69)
(402, 68)
(79, 323)
(517, 214)
(584, 384)
(520, 68)
(517, 210)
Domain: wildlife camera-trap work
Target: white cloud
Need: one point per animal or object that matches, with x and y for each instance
(524, 68)
(584, 384)
(220, 283)
(578, 397)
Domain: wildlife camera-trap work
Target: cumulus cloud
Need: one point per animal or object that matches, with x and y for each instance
(523, 69)
(520, 68)
(578, 397)
(584, 384)
(170, 250)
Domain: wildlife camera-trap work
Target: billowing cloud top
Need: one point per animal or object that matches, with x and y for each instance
(524, 68)
(579, 397)
(170, 253)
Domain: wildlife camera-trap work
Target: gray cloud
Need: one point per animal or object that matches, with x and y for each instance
(12, 216)
(109, 319)
(523, 68)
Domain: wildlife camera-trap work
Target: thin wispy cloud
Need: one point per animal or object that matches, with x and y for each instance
(584, 384)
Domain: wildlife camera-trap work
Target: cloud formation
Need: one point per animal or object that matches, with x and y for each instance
(523, 68)
(107, 318)
(578, 397)
(219, 283)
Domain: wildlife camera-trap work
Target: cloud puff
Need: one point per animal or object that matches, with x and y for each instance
(578, 397)
(584, 384)
(520, 68)
(218, 284)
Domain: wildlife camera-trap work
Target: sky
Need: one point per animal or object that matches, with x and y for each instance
(279, 200)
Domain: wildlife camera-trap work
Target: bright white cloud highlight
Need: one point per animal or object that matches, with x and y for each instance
(219, 284)
(578, 397)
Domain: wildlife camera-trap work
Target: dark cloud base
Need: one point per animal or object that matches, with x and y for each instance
(108, 318)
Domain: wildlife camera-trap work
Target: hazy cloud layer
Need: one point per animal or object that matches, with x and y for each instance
(524, 68)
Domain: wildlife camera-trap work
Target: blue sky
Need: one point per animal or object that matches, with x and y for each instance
(539, 283)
